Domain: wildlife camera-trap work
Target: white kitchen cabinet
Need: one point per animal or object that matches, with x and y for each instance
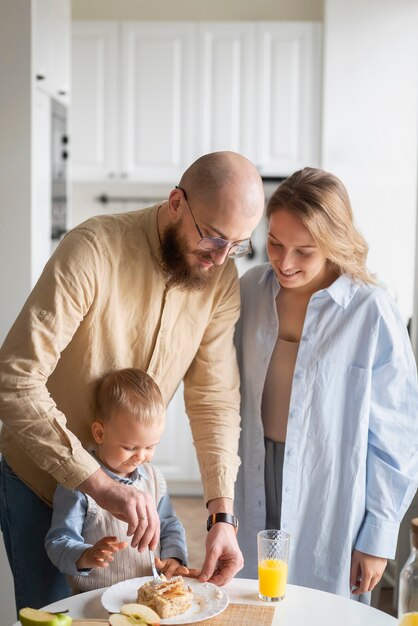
(133, 100)
(182, 89)
(175, 454)
(225, 90)
(95, 98)
(288, 96)
(51, 47)
(158, 99)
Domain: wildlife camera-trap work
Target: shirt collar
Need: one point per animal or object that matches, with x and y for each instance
(137, 474)
(342, 290)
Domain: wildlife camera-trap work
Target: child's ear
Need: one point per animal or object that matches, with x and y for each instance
(97, 430)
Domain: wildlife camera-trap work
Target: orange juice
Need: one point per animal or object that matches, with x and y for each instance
(409, 619)
(272, 576)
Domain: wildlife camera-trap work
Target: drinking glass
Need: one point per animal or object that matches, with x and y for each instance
(273, 553)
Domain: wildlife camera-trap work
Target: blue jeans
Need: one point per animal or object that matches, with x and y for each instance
(25, 519)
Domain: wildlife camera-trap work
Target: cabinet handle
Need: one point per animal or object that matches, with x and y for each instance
(62, 92)
(40, 76)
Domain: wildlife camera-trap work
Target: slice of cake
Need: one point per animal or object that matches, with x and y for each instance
(168, 598)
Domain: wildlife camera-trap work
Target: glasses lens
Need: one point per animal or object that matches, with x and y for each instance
(212, 243)
(241, 249)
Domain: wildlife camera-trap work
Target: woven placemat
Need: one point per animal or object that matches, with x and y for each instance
(242, 615)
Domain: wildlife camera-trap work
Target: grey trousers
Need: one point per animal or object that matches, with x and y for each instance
(273, 476)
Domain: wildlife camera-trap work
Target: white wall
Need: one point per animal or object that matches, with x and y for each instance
(370, 132)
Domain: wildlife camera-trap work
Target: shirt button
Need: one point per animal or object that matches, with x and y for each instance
(290, 452)
(288, 490)
(259, 504)
(292, 414)
(259, 468)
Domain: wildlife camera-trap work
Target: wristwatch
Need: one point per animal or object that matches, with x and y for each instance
(227, 518)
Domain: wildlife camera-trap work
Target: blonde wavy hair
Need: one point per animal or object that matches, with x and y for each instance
(133, 391)
(321, 202)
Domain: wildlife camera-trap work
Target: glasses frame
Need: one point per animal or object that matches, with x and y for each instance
(225, 242)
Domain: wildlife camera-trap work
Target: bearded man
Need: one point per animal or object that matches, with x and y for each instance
(152, 289)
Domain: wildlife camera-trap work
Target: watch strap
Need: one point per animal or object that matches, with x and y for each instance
(227, 518)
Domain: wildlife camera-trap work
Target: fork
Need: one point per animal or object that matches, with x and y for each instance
(157, 578)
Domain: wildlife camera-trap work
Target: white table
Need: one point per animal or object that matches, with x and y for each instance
(301, 606)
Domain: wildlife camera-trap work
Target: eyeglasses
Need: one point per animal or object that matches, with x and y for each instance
(211, 244)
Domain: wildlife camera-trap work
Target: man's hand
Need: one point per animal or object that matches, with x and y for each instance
(223, 556)
(101, 554)
(366, 571)
(128, 504)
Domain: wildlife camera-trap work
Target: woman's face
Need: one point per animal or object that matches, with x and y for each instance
(295, 257)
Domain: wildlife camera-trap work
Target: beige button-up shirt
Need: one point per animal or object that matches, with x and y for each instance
(102, 303)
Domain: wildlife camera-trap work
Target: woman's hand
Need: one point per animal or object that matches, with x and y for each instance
(366, 571)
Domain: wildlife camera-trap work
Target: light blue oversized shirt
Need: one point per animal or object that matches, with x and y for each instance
(351, 453)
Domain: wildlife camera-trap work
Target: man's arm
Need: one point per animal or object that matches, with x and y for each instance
(63, 296)
(212, 402)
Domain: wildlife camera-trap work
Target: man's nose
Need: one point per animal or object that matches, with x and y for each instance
(219, 256)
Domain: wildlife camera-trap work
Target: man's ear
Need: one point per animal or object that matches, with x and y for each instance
(174, 204)
(97, 430)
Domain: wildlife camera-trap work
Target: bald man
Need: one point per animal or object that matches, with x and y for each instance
(155, 289)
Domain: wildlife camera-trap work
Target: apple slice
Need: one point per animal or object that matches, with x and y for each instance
(131, 614)
(117, 619)
(33, 617)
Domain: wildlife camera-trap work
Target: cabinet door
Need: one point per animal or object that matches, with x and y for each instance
(288, 128)
(226, 87)
(175, 454)
(158, 95)
(95, 93)
(51, 49)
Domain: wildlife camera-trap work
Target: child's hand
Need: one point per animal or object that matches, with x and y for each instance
(366, 571)
(171, 567)
(101, 554)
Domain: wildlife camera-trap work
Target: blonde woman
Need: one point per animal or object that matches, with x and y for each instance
(329, 396)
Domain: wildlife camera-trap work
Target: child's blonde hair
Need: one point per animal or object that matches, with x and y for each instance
(133, 391)
(321, 202)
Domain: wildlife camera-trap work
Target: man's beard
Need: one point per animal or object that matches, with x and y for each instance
(177, 268)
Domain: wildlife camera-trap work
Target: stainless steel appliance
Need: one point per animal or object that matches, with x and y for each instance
(59, 164)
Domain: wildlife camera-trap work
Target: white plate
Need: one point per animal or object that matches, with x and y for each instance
(208, 599)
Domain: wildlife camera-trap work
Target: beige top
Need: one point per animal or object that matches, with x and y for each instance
(102, 303)
(277, 389)
(127, 563)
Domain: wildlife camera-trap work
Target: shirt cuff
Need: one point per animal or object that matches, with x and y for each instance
(73, 555)
(174, 553)
(378, 537)
(220, 485)
(77, 468)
